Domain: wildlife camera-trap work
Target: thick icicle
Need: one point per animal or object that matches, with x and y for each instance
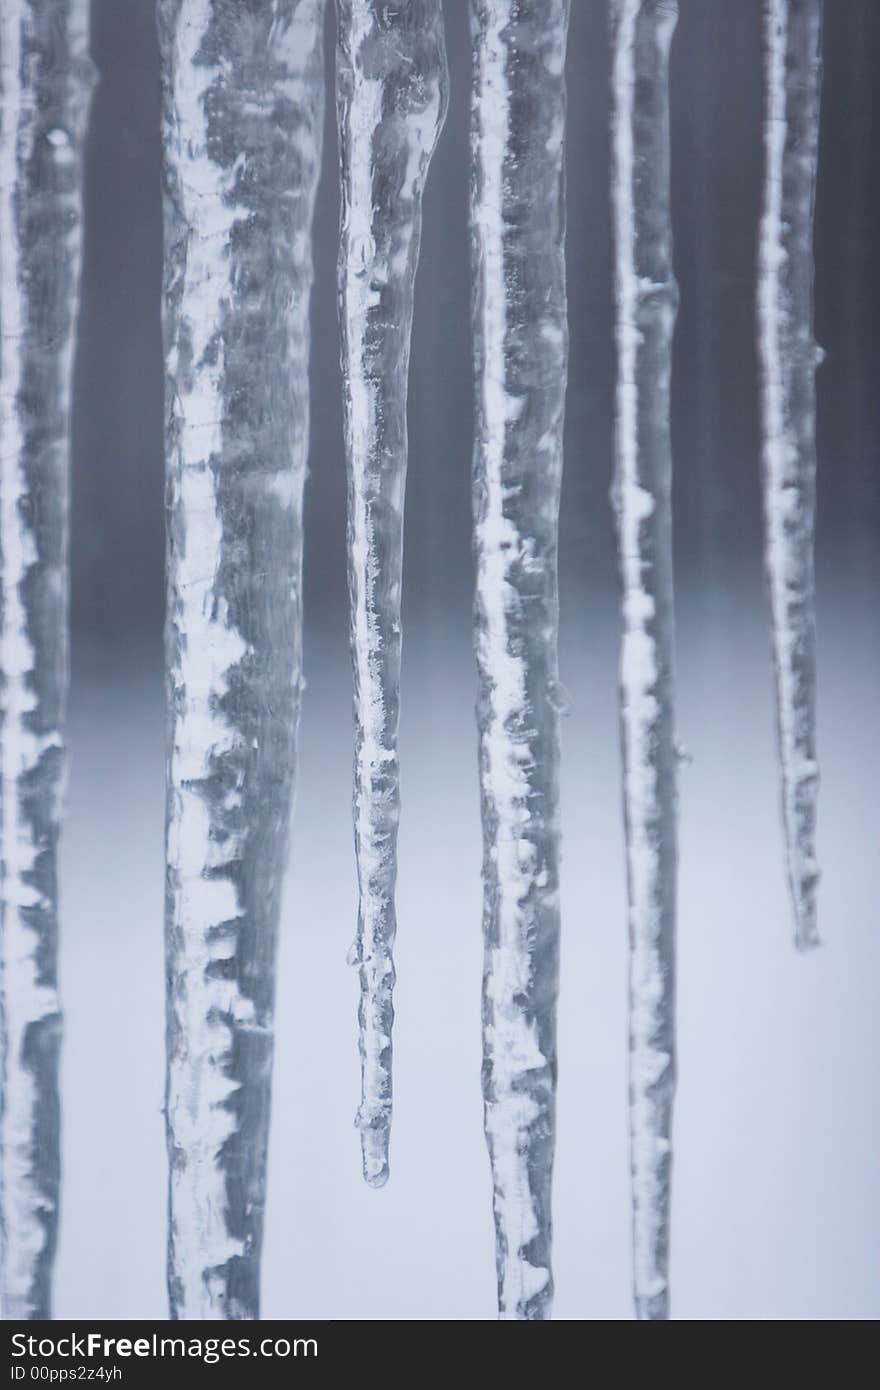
(392, 88)
(520, 354)
(45, 84)
(788, 357)
(243, 101)
(647, 300)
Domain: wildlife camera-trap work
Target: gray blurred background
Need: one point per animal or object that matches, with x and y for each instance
(777, 1176)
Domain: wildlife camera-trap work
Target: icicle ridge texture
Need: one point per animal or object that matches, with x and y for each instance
(647, 299)
(521, 347)
(788, 357)
(392, 91)
(45, 83)
(243, 102)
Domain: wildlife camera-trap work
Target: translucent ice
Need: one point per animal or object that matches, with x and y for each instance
(788, 358)
(647, 299)
(45, 84)
(392, 90)
(243, 103)
(520, 352)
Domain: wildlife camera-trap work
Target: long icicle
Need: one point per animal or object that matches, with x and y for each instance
(647, 299)
(46, 79)
(243, 103)
(392, 92)
(788, 358)
(520, 357)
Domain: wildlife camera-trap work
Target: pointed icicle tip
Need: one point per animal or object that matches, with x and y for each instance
(807, 942)
(806, 930)
(375, 1141)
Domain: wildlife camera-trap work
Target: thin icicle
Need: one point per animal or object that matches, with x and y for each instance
(647, 300)
(788, 357)
(392, 91)
(243, 101)
(520, 356)
(45, 85)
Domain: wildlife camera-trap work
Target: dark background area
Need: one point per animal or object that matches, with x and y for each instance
(117, 544)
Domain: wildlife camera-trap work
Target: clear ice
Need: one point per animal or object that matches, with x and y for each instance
(45, 85)
(242, 126)
(788, 358)
(520, 357)
(646, 300)
(392, 92)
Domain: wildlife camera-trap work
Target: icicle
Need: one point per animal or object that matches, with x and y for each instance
(520, 354)
(45, 85)
(788, 358)
(646, 307)
(243, 102)
(392, 90)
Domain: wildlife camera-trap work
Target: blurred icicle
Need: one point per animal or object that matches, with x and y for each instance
(788, 358)
(243, 104)
(392, 91)
(647, 300)
(520, 351)
(45, 85)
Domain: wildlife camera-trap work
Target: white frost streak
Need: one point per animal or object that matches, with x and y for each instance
(513, 1043)
(521, 345)
(243, 104)
(361, 296)
(199, 1089)
(392, 97)
(638, 664)
(788, 523)
(25, 1000)
(641, 662)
